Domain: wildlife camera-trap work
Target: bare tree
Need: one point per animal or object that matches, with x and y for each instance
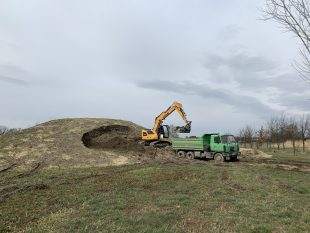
(283, 127)
(241, 137)
(293, 16)
(277, 136)
(292, 129)
(249, 133)
(262, 137)
(272, 131)
(304, 124)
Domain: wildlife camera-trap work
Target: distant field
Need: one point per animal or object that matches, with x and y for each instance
(288, 144)
(194, 197)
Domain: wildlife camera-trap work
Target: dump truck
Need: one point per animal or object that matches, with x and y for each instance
(209, 146)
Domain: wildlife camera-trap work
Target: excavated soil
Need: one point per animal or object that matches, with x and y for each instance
(126, 141)
(112, 137)
(254, 153)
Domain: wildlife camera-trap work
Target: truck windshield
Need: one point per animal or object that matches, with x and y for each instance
(217, 139)
(228, 138)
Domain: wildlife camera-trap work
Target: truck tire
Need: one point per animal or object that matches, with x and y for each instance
(181, 153)
(219, 158)
(190, 155)
(234, 159)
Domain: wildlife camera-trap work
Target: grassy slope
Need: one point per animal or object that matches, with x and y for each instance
(57, 143)
(234, 197)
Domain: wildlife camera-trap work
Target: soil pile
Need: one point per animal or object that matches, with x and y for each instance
(119, 137)
(79, 142)
(70, 143)
(254, 153)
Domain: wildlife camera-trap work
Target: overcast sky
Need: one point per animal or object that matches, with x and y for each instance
(131, 59)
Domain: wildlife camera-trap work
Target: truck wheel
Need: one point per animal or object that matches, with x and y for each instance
(219, 158)
(234, 159)
(190, 155)
(181, 153)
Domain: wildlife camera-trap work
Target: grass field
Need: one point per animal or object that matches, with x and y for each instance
(287, 155)
(51, 182)
(197, 197)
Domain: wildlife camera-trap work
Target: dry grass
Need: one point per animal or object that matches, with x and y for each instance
(234, 197)
(58, 143)
(51, 182)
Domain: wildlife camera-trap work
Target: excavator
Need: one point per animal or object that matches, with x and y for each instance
(159, 135)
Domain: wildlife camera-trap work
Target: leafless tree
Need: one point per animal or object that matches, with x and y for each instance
(294, 16)
(304, 125)
(272, 131)
(292, 129)
(277, 132)
(262, 136)
(241, 137)
(249, 133)
(246, 136)
(283, 129)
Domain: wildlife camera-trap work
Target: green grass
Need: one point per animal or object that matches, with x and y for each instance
(233, 197)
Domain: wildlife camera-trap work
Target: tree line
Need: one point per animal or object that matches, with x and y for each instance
(276, 132)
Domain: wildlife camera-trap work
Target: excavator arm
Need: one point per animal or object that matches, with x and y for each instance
(152, 135)
(176, 106)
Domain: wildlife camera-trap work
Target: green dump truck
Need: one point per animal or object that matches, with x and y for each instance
(210, 146)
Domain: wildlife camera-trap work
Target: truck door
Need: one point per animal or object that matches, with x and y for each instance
(216, 145)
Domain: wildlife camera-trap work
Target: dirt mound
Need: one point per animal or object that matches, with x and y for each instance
(78, 142)
(245, 152)
(112, 137)
(58, 143)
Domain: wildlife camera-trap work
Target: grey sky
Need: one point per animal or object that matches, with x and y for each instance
(131, 59)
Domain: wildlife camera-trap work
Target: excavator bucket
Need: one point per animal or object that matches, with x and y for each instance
(184, 129)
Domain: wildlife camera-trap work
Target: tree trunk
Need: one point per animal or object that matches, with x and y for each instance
(294, 147)
(303, 144)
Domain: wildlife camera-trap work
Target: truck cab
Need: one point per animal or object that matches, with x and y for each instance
(224, 143)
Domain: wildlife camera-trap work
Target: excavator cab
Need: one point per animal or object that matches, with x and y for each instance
(164, 131)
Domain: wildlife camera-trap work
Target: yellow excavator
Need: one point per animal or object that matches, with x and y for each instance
(159, 135)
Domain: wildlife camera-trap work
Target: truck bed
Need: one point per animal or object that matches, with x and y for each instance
(198, 143)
